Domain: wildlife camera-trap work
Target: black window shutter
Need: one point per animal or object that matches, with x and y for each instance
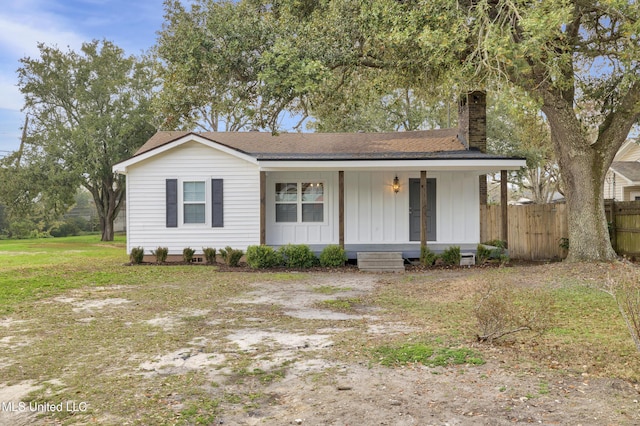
(217, 203)
(172, 203)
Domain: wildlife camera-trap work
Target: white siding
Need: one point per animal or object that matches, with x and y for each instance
(146, 200)
(375, 214)
(303, 233)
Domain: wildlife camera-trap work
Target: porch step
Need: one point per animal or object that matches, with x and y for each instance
(380, 261)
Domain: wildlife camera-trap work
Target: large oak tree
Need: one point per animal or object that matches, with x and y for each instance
(89, 110)
(579, 59)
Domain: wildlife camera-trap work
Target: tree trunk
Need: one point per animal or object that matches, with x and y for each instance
(107, 229)
(108, 202)
(583, 166)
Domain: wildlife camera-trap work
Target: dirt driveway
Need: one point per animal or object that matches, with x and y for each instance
(268, 349)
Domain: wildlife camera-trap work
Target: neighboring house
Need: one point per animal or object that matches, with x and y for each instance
(359, 190)
(622, 182)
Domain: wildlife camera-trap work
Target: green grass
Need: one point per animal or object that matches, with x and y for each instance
(411, 353)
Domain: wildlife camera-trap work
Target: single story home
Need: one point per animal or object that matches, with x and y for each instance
(622, 182)
(364, 191)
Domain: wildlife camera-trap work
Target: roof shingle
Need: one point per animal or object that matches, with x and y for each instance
(324, 145)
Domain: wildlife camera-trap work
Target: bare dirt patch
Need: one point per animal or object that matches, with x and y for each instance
(297, 349)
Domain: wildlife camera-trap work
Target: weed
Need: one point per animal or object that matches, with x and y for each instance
(328, 289)
(501, 311)
(341, 304)
(421, 353)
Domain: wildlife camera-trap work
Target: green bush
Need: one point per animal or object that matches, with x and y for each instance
(209, 255)
(482, 254)
(136, 255)
(260, 257)
(187, 254)
(161, 254)
(451, 256)
(333, 256)
(427, 257)
(231, 256)
(298, 256)
(499, 252)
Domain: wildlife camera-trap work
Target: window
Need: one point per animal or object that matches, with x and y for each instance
(199, 202)
(194, 202)
(295, 201)
(286, 202)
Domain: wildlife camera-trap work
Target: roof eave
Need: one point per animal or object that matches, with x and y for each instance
(479, 165)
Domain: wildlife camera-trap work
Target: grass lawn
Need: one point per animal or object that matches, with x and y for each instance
(72, 309)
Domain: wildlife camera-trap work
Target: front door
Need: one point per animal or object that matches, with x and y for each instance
(414, 209)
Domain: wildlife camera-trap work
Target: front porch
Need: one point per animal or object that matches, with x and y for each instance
(408, 250)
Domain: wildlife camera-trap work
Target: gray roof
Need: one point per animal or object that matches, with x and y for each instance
(415, 145)
(628, 169)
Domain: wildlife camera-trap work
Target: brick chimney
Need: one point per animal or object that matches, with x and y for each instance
(472, 120)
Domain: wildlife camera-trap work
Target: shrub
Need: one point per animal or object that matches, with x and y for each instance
(427, 257)
(259, 257)
(451, 256)
(161, 254)
(482, 254)
(298, 256)
(333, 256)
(187, 254)
(502, 310)
(136, 255)
(231, 256)
(625, 290)
(209, 255)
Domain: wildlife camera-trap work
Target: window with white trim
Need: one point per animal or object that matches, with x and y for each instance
(194, 200)
(299, 202)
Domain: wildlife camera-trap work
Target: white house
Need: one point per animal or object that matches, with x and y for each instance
(364, 191)
(622, 182)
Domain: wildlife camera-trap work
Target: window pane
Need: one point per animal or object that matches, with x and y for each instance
(312, 192)
(194, 191)
(286, 212)
(286, 192)
(312, 212)
(194, 213)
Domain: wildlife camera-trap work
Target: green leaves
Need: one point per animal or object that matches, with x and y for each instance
(90, 109)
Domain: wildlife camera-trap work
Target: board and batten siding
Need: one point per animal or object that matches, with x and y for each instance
(146, 197)
(374, 214)
(325, 232)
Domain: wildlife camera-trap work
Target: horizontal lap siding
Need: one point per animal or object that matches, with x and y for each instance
(146, 202)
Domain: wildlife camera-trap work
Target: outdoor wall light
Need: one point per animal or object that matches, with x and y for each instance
(396, 184)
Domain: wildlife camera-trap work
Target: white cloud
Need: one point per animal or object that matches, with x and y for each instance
(21, 39)
(11, 98)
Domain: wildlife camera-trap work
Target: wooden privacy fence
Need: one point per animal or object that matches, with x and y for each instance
(536, 231)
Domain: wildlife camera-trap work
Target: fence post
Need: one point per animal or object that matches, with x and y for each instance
(612, 219)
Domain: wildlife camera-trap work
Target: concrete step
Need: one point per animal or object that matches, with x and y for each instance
(380, 261)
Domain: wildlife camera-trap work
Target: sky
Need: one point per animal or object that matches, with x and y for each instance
(130, 24)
